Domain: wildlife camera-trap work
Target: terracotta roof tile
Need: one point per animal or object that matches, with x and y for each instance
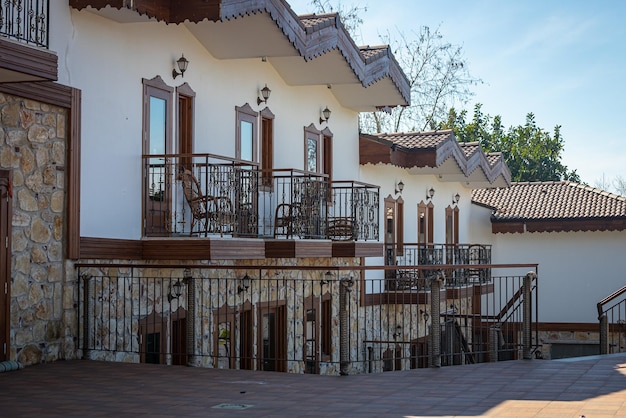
(494, 158)
(312, 20)
(372, 51)
(415, 140)
(550, 200)
(469, 148)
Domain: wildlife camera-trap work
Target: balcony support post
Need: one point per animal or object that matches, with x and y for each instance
(345, 288)
(527, 313)
(435, 315)
(604, 334)
(191, 321)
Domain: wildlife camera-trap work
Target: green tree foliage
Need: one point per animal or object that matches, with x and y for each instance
(531, 153)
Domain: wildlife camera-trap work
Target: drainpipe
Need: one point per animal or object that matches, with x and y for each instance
(435, 324)
(527, 312)
(88, 313)
(191, 318)
(344, 350)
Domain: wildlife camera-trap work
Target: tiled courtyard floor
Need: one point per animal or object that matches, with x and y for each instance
(594, 387)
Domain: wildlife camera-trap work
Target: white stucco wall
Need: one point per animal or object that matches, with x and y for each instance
(415, 187)
(576, 269)
(108, 60)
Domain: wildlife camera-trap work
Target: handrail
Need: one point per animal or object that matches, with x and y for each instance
(608, 299)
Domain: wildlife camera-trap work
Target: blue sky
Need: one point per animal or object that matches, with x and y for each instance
(563, 60)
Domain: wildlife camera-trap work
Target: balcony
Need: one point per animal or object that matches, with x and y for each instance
(24, 42)
(205, 195)
(469, 257)
(25, 21)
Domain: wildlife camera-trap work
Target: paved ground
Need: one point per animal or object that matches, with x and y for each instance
(594, 387)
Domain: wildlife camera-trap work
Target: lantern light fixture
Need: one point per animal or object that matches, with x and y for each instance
(265, 95)
(399, 187)
(182, 64)
(325, 115)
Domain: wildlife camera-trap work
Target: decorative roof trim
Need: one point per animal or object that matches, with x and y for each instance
(434, 154)
(311, 41)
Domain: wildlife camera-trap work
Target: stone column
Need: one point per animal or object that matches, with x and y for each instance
(435, 327)
(527, 315)
(345, 288)
(604, 334)
(191, 318)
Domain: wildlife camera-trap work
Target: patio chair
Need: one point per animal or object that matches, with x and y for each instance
(213, 214)
(284, 219)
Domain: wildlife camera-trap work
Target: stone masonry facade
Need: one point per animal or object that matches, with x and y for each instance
(33, 138)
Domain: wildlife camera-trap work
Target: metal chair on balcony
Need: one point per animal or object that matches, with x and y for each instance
(284, 220)
(213, 214)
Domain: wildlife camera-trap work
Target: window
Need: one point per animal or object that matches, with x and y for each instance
(328, 154)
(186, 98)
(312, 149)
(452, 225)
(425, 223)
(267, 146)
(157, 141)
(246, 134)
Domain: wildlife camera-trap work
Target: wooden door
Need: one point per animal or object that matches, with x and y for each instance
(157, 143)
(178, 338)
(272, 344)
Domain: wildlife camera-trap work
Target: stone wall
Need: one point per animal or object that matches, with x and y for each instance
(32, 144)
(124, 298)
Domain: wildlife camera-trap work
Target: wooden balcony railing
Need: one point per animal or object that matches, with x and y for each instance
(209, 195)
(25, 21)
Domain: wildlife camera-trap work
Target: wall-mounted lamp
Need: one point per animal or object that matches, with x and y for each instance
(325, 115)
(430, 193)
(398, 332)
(182, 64)
(244, 284)
(176, 290)
(455, 199)
(265, 95)
(326, 278)
(399, 187)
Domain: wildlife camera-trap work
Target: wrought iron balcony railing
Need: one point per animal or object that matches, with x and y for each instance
(25, 21)
(282, 318)
(612, 317)
(204, 194)
(470, 257)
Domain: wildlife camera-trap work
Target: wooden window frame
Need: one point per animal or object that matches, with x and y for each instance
(452, 225)
(427, 210)
(185, 111)
(245, 113)
(312, 133)
(327, 152)
(400, 224)
(155, 225)
(267, 148)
